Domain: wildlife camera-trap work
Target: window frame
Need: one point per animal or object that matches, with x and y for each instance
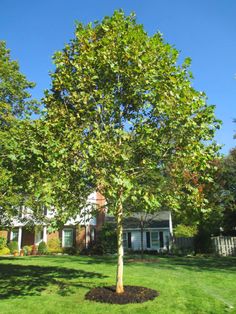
(148, 239)
(63, 237)
(13, 238)
(125, 240)
(155, 243)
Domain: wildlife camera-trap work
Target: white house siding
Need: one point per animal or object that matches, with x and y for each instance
(136, 239)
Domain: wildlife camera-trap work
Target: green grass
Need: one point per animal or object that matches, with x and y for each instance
(58, 284)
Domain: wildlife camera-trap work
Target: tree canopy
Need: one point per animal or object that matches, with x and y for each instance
(16, 105)
(128, 122)
(227, 183)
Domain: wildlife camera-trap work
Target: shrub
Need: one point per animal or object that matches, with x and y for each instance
(94, 248)
(42, 248)
(181, 251)
(34, 249)
(54, 246)
(4, 251)
(185, 231)
(69, 250)
(3, 242)
(27, 249)
(106, 242)
(13, 246)
(107, 239)
(202, 242)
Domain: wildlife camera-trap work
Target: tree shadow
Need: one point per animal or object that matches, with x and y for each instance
(21, 280)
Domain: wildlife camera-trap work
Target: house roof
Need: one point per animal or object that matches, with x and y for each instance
(158, 220)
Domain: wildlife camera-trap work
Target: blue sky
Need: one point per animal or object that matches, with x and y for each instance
(204, 30)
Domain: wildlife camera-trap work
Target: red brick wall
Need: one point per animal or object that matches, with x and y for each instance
(101, 211)
(53, 235)
(80, 237)
(4, 233)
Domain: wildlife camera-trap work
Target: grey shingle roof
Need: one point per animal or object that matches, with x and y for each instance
(158, 220)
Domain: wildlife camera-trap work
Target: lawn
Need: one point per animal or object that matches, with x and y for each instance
(58, 284)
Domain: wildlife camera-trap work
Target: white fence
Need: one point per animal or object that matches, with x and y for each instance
(224, 246)
(221, 245)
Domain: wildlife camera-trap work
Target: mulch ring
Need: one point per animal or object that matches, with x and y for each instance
(132, 294)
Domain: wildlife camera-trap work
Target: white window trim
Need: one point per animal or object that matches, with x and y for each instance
(158, 240)
(37, 241)
(127, 240)
(11, 235)
(63, 237)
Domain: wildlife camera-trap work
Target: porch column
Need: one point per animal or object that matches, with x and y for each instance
(45, 234)
(19, 238)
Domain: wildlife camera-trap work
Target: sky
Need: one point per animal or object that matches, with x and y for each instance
(204, 30)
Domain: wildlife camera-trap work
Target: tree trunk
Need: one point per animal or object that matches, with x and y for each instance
(141, 227)
(120, 249)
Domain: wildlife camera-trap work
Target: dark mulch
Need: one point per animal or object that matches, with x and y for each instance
(132, 294)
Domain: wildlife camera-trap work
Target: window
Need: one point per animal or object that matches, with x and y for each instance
(127, 241)
(14, 235)
(67, 237)
(161, 239)
(148, 240)
(38, 235)
(92, 234)
(155, 240)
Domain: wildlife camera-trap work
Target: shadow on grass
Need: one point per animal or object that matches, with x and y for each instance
(227, 264)
(19, 280)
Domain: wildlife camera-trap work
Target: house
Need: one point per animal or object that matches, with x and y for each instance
(156, 228)
(76, 232)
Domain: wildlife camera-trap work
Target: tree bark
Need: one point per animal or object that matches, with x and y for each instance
(141, 227)
(120, 249)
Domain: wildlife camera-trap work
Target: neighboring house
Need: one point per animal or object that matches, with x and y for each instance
(75, 233)
(157, 231)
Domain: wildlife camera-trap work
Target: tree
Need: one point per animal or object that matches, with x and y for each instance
(15, 99)
(132, 121)
(16, 106)
(227, 182)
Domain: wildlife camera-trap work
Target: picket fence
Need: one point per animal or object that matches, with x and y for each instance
(224, 246)
(221, 245)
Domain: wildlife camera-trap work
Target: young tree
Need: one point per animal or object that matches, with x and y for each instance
(132, 121)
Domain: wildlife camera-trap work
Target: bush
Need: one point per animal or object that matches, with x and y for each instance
(107, 239)
(69, 250)
(4, 251)
(202, 242)
(13, 246)
(54, 246)
(94, 248)
(183, 231)
(34, 249)
(106, 242)
(42, 248)
(181, 251)
(27, 249)
(3, 242)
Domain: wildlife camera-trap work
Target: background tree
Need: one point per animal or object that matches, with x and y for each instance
(130, 119)
(16, 105)
(227, 182)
